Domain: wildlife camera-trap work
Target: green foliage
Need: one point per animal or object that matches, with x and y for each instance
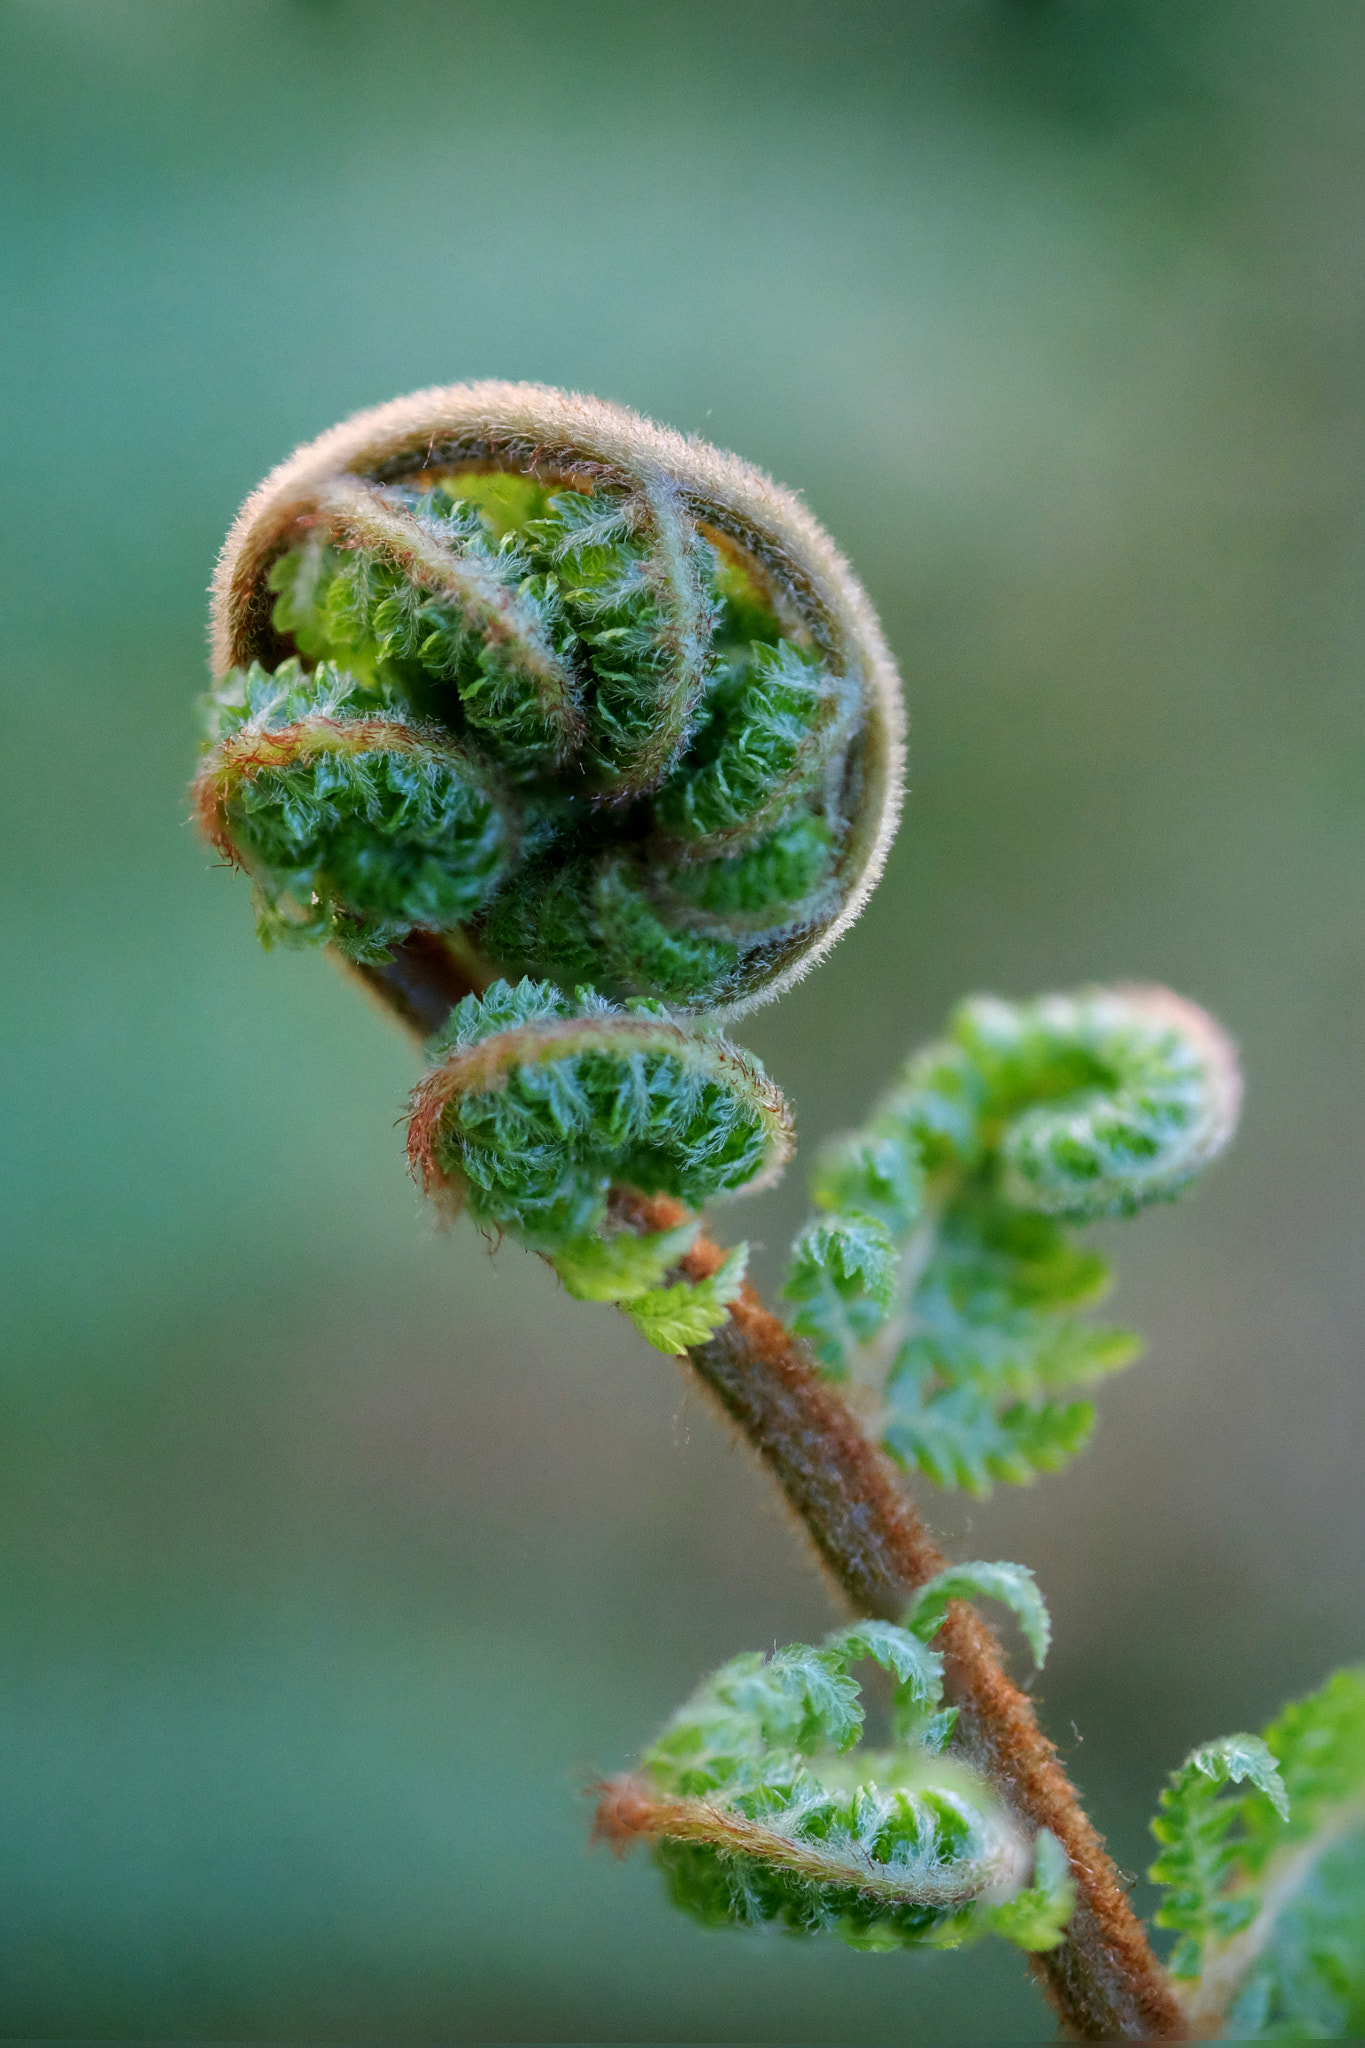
(480, 656)
(786, 867)
(768, 1811)
(1102, 1104)
(535, 1107)
(1266, 1885)
(690, 1311)
(842, 1274)
(1197, 1822)
(1027, 1118)
(620, 768)
(630, 1270)
(623, 1267)
(1013, 1585)
(769, 721)
(599, 920)
(1035, 1920)
(355, 827)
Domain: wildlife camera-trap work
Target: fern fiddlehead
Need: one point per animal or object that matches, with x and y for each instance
(586, 699)
(536, 1108)
(940, 1275)
(573, 738)
(765, 1811)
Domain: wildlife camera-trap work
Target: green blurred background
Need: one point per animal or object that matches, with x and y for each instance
(337, 1556)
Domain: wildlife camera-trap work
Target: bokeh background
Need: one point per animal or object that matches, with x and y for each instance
(337, 1556)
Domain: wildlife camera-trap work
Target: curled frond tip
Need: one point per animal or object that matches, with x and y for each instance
(498, 662)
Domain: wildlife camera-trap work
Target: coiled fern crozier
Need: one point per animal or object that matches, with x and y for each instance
(573, 739)
(595, 703)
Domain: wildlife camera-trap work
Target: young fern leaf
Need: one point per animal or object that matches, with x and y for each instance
(1266, 1885)
(1198, 1816)
(1012, 1584)
(624, 1267)
(688, 1311)
(941, 1275)
(614, 709)
(513, 683)
(535, 1108)
(842, 1277)
(764, 1811)
(354, 825)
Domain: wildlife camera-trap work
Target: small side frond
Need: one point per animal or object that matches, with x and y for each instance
(1013, 1585)
(622, 1267)
(764, 1810)
(1029, 1118)
(535, 1107)
(356, 824)
(1036, 1919)
(1266, 1883)
(842, 1276)
(690, 1311)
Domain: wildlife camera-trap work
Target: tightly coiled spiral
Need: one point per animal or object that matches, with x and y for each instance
(537, 1112)
(594, 701)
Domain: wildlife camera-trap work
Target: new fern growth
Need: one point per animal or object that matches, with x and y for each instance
(591, 701)
(573, 739)
(765, 1812)
(1263, 1864)
(941, 1275)
(536, 1108)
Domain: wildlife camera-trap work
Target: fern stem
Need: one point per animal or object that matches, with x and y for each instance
(420, 983)
(1103, 1981)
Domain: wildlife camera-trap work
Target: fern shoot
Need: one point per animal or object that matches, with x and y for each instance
(766, 1810)
(574, 739)
(584, 699)
(941, 1274)
(1263, 1868)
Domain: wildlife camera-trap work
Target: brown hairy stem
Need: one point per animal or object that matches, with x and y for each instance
(1103, 1980)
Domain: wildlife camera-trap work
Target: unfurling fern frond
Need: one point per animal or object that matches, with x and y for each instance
(517, 694)
(536, 1108)
(941, 1270)
(765, 1809)
(357, 826)
(1266, 1883)
(585, 699)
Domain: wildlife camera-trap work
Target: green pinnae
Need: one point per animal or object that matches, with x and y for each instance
(941, 1272)
(768, 725)
(431, 650)
(536, 1107)
(766, 1808)
(594, 919)
(783, 870)
(1262, 1869)
(355, 827)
